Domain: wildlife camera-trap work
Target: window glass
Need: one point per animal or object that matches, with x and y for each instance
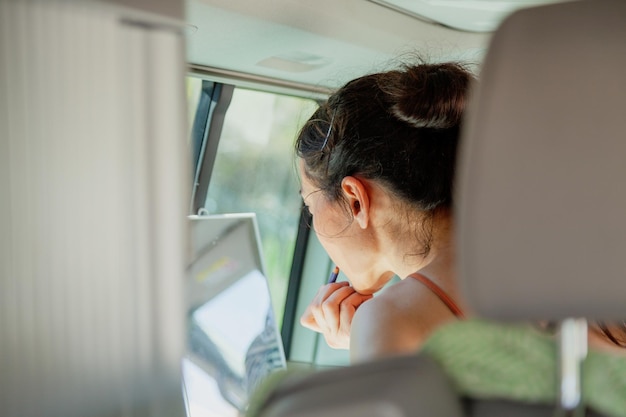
(254, 171)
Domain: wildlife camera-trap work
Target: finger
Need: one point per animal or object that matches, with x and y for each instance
(313, 316)
(308, 320)
(327, 290)
(326, 314)
(330, 309)
(349, 306)
(347, 309)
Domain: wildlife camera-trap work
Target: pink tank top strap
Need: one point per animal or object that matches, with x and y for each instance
(439, 292)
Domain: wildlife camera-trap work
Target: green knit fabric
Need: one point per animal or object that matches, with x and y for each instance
(518, 362)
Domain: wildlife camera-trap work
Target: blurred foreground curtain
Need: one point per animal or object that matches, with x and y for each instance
(93, 199)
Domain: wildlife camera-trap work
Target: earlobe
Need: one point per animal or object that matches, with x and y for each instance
(357, 196)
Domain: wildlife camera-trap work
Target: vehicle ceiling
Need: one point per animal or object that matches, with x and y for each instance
(321, 43)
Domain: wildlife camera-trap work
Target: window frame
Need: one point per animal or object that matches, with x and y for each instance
(205, 137)
(207, 128)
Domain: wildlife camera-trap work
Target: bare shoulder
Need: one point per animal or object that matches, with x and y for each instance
(396, 321)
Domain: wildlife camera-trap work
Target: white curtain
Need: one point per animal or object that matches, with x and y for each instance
(93, 194)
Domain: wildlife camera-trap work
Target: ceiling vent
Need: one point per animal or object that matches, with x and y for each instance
(295, 62)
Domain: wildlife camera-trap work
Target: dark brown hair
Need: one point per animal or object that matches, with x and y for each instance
(400, 128)
(615, 332)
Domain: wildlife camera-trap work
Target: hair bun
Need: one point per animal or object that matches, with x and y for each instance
(429, 95)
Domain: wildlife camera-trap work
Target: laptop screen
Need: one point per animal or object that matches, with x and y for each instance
(233, 339)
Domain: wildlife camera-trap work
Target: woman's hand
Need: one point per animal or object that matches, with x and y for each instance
(331, 312)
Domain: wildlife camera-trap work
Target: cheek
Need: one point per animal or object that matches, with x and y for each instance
(337, 253)
(326, 234)
(329, 221)
(329, 235)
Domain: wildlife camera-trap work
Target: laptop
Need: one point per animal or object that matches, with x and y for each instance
(233, 341)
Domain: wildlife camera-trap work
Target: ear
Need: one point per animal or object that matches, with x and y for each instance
(357, 195)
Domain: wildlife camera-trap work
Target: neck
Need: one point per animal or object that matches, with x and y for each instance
(397, 247)
(439, 264)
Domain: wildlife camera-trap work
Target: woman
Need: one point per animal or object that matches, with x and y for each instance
(376, 164)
